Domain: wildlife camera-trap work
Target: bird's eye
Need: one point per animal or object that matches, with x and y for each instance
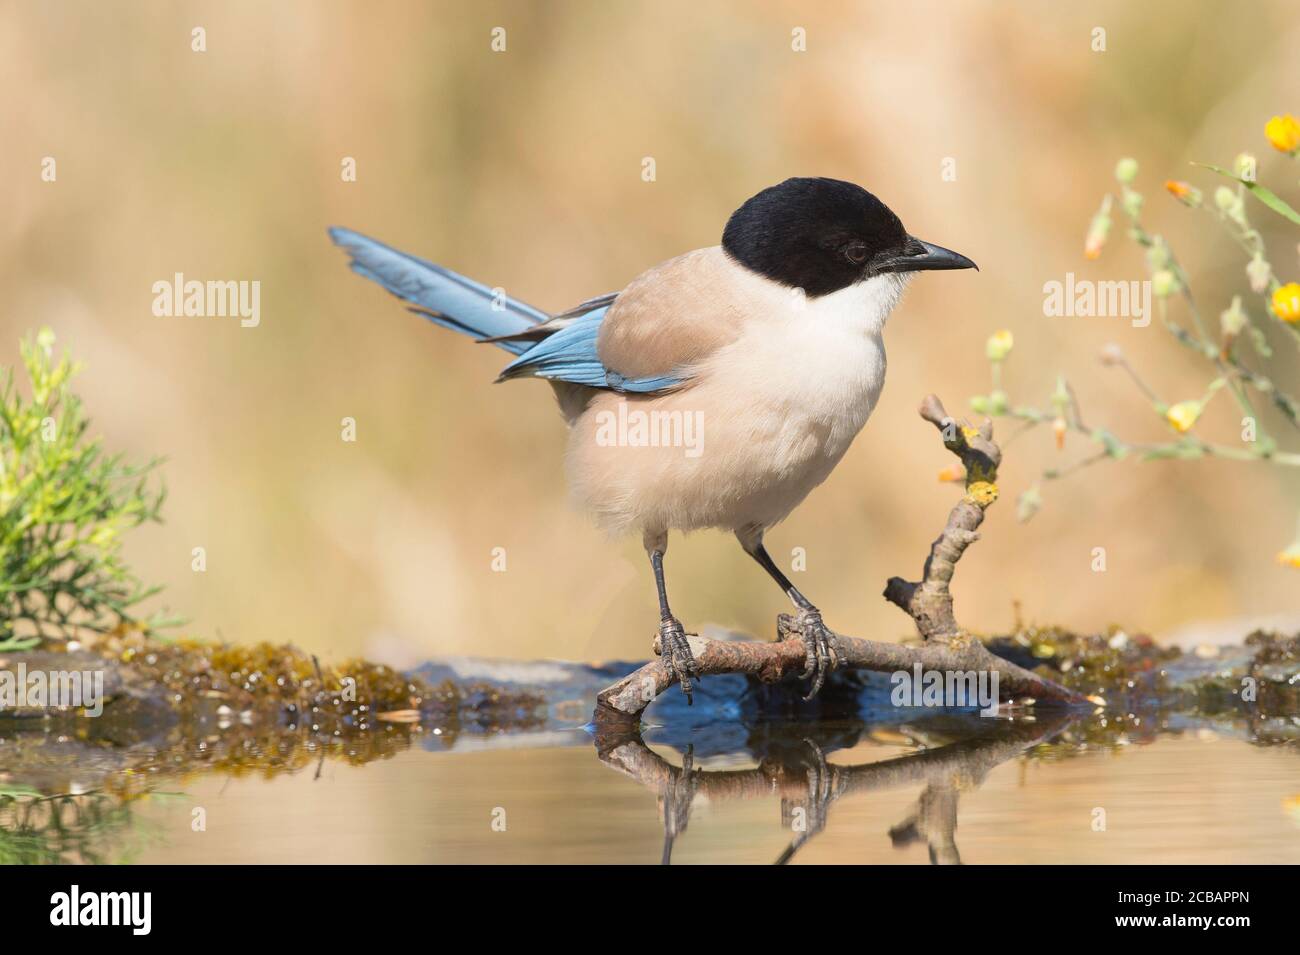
(856, 253)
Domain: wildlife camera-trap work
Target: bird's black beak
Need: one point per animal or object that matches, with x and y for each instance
(920, 256)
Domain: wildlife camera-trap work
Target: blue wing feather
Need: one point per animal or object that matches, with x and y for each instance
(570, 355)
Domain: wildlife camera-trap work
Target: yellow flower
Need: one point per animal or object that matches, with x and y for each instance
(1286, 302)
(1290, 557)
(999, 345)
(1292, 806)
(1283, 132)
(1183, 415)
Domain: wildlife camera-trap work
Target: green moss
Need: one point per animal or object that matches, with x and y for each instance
(268, 681)
(1109, 664)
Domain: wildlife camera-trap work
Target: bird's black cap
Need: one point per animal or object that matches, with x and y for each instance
(822, 235)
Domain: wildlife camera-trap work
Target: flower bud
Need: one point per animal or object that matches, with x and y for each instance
(1126, 170)
(1244, 166)
(1260, 274)
(1028, 503)
(1233, 319)
(999, 345)
(1164, 283)
(1112, 354)
(1060, 395)
(1157, 256)
(1098, 230)
(1187, 194)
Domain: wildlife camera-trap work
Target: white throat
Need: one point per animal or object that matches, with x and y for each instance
(819, 360)
(864, 306)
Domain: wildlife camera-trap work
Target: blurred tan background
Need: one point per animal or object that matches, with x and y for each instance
(523, 169)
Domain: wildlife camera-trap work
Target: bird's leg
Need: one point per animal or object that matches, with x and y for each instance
(671, 645)
(675, 802)
(823, 789)
(818, 639)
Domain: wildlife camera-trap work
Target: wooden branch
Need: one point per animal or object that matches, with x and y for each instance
(928, 602)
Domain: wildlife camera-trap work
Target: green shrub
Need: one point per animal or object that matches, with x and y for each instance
(64, 504)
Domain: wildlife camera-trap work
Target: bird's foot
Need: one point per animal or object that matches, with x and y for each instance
(675, 654)
(819, 642)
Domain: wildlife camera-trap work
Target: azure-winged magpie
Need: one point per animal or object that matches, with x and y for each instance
(763, 355)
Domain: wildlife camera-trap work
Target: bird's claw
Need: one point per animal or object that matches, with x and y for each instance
(675, 653)
(822, 656)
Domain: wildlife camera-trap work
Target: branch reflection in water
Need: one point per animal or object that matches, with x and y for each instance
(792, 765)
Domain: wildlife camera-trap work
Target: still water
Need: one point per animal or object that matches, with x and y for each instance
(1034, 789)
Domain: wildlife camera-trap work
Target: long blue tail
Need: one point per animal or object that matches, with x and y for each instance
(439, 294)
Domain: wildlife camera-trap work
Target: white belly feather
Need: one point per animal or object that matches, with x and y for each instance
(776, 411)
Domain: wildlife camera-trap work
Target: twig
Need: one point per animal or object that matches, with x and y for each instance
(929, 601)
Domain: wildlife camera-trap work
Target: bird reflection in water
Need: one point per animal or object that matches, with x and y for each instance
(792, 764)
